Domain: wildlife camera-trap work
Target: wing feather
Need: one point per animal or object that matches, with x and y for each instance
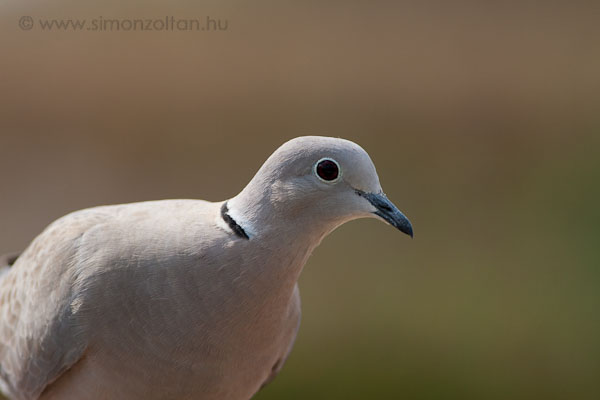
(40, 334)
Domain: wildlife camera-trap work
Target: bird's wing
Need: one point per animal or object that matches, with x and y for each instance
(40, 333)
(48, 295)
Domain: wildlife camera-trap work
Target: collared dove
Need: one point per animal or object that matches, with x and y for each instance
(179, 299)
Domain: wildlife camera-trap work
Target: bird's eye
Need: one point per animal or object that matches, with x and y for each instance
(327, 169)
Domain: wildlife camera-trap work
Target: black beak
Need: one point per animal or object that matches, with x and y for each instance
(388, 211)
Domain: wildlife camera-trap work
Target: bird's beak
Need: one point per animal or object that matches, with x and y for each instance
(386, 210)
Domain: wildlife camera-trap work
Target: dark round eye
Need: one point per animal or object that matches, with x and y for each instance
(327, 170)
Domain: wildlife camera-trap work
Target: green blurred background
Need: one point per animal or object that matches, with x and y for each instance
(482, 119)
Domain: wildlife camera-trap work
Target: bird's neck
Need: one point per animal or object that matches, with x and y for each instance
(285, 237)
(276, 224)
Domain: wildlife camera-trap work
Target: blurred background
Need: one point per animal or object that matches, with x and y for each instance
(482, 119)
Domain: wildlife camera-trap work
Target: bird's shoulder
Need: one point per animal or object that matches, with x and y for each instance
(43, 294)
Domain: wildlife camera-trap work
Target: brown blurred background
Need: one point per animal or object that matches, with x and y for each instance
(483, 120)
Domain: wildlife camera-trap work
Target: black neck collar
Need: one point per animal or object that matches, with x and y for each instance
(238, 230)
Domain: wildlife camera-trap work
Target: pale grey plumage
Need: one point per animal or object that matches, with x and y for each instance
(162, 299)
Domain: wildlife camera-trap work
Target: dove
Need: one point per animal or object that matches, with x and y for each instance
(179, 299)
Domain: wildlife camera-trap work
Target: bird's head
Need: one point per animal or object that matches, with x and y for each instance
(317, 180)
